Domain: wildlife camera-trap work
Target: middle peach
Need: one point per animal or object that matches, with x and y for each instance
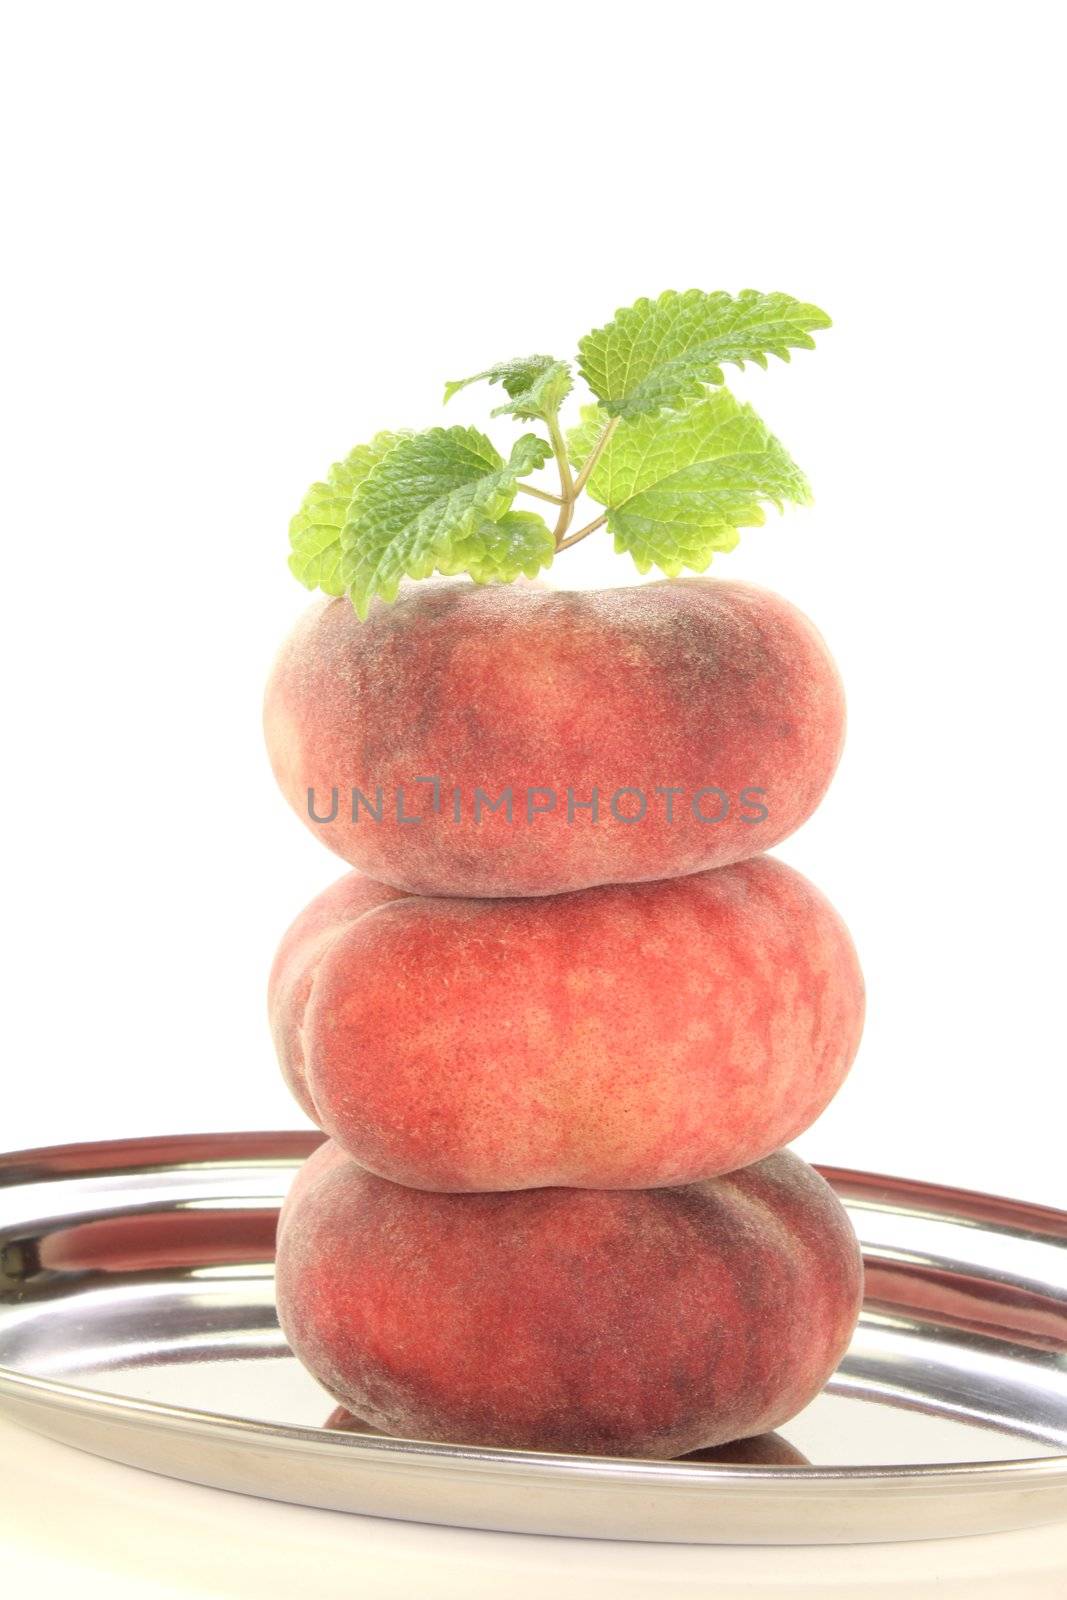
(623, 1037)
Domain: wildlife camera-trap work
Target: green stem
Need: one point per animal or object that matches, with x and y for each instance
(542, 494)
(566, 479)
(570, 486)
(583, 533)
(559, 449)
(594, 456)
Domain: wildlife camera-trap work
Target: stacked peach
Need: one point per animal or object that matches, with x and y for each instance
(560, 1031)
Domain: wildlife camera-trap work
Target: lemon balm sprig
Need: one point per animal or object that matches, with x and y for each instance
(677, 463)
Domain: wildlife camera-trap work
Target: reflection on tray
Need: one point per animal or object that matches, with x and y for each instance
(766, 1450)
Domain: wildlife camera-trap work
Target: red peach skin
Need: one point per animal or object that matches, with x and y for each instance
(616, 1038)
(617, 1322)
(303, 947)
(691, 684)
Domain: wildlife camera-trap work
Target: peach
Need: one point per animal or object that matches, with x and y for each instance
(618, 1037)
(703, 718)
(619, 1322)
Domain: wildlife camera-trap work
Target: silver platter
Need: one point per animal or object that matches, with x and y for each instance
(137, 1322)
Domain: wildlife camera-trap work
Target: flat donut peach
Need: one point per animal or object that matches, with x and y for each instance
(452, 742)
(620, 1037)
(618, 1322)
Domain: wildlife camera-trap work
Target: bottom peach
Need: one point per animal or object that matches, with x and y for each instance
(618, 1322)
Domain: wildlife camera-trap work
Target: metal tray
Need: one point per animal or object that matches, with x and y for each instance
(137, 1322)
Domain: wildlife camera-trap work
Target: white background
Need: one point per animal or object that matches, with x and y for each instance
(241, 238)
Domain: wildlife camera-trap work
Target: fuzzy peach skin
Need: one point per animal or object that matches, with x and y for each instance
(618, 1037)
(693, 684)
(302, 948)
(617, 1322)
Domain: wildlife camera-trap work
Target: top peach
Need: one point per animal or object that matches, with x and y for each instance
(523, 741)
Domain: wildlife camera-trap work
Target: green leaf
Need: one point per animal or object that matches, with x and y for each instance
(498, 552)
(537, 386)
(315, 531)
(657, 353)
(678, 486)
(424, 502)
